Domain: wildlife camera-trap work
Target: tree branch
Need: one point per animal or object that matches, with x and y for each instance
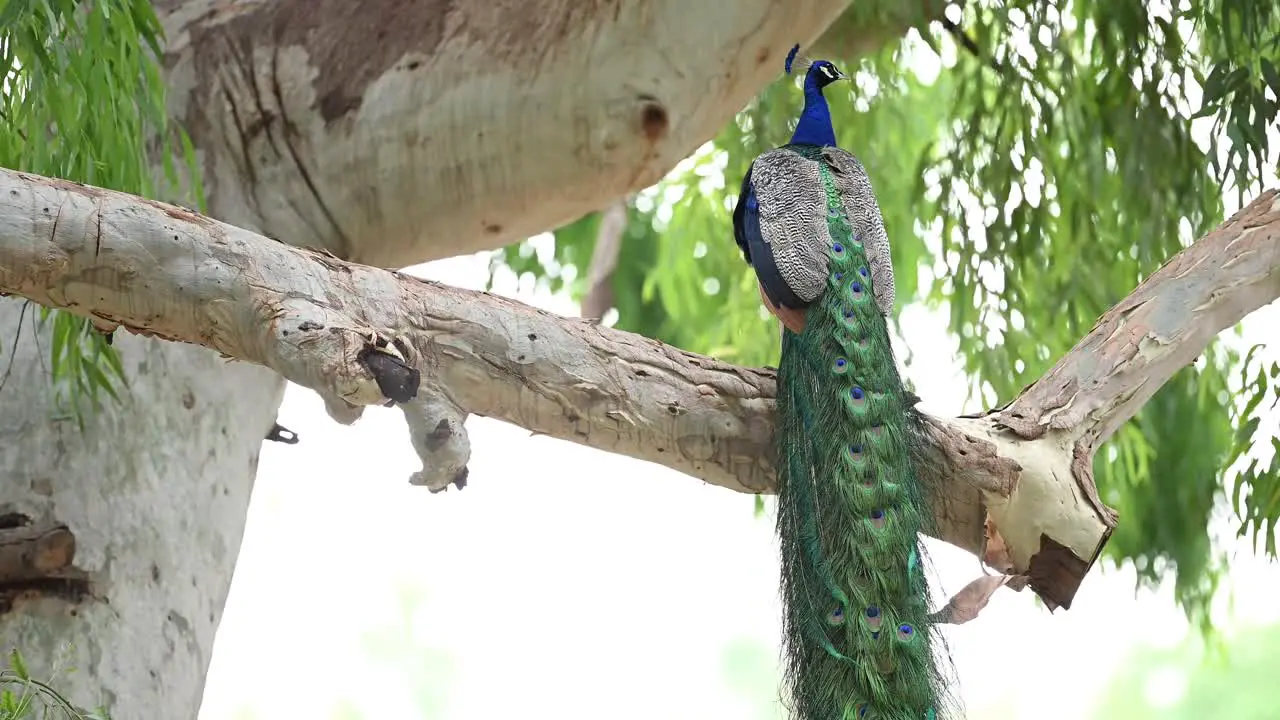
(163, 270)
(604, 260)
(1161, 327)
(394, 133)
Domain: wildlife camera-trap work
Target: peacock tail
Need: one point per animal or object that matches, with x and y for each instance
(850, 505)
(859, 643)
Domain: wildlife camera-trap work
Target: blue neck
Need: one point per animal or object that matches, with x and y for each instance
(814, 127)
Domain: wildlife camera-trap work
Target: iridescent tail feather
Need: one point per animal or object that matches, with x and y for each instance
(851, 505)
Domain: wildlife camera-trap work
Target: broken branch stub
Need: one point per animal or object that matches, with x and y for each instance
(37, 559)
(1023, 501)
(1132, 350)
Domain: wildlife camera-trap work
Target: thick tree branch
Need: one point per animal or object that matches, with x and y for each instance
(163, 270)
(397, 133)
(1161, 327)
(1136, 346)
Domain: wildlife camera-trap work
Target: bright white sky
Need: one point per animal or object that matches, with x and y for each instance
(564, 580)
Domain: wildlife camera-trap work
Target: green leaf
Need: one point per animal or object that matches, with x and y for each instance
(1271, 76)
(19, 666)
(86, 102)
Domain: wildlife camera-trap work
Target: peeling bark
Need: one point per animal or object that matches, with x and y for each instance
(393, 133)
(1006, 477)
(1136, 346)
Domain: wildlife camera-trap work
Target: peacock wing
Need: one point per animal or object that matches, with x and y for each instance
(860, 206)
(781, 225)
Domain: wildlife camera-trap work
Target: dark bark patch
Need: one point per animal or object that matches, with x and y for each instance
(42, 485)
(397, 381)
(1056, 573)
(654, 121)
(351, 44)
(36, 560)
(439, 436)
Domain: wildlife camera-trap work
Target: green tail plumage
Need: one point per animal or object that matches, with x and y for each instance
(859, 642)
(858, 639)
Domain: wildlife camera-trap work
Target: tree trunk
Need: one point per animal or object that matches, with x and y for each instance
(120, 541)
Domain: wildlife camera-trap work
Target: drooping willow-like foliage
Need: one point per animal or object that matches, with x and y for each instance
(82, 99)
(1034, 161)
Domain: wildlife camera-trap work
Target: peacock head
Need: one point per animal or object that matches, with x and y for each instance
(820, 74)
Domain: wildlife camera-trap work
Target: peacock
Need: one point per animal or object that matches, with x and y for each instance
(859, 641)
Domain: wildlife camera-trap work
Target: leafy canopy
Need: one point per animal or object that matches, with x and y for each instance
(1059, 155)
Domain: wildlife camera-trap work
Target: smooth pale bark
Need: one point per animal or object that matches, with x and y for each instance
(143, 510)
(394, 133)
(1016, 484)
